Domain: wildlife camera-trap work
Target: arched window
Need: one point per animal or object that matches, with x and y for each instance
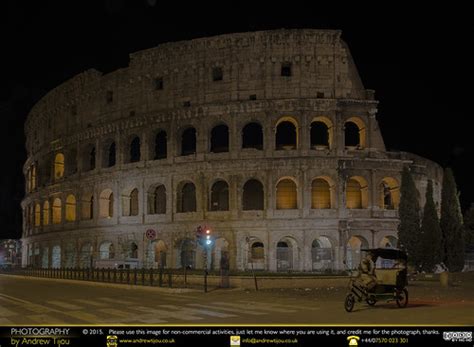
(70, 208)
(351, 134)
(188, 141)
(286, 195)
(132, 251)
(220, 196)
(157, 200)
(57, 211)
(106, 250)
(355, 133)
(89, 158)
(320, 194)
(109, 157)
(135, 150)
(252, 136)
(33, 177)
(257, 251)
(389, 194)
(59, 166)
(253, 198)
(187, 198)
(134, 202)
(356, 193)
(130, 203)
(46, 213)
(87, 206)
(106, 204)
(220, 139)
(319, 135)
(286, 135)
(37, 215)
(71, 162)
(161, 149)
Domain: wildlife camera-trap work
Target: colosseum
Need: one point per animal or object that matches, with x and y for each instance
(268, 139)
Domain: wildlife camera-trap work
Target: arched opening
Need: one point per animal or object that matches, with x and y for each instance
(188, 141)
(252, 136)
(109, 155)
(106, 250)
(353, 247)
(389, 242)
(322, 254)
(186, 198)
(220, 259)
(106, 204)
(354, 133)
(320, 194)
(319, 135)
(284, 256)
(220, 196)
(70, 255)
(135, 150)
(156, 255)
(85, 256)
(389, 194)
(37, 215)
(89, 158)
(220, 139)
(157, 199)
(188, 254)
(286, 135)
(252, 197)
(161, 145)
(256, 259)
(71, 162)
(70, 208)
(131, 252)
(58, 166)
(57, 210)
(286, 195)
(87, 206)
(45, 257)
(46, 213)
(134, 202)
(56, 257)
(356, 193)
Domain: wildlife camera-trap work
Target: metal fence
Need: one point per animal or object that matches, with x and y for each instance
(147, 277)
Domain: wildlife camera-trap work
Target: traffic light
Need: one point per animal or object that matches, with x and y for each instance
(208, 237)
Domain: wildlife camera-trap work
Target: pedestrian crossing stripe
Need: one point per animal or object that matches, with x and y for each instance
(199, 311)
(166, 314)
(256, 306)
(65, 305)
(229, 309)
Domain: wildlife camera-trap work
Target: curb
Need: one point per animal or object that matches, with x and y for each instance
(106, 284)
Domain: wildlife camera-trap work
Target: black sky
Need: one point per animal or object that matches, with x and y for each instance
(418, 60)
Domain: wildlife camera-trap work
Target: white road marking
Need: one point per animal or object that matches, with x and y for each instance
(199, 311)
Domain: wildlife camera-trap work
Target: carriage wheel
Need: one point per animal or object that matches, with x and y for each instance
(402, 298)
(371, 300)
(349, 302)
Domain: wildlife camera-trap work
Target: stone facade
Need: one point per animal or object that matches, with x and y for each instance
(164, 144)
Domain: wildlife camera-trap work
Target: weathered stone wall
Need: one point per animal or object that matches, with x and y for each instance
(94, 109)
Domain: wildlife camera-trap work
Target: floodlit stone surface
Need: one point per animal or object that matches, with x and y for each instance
(267, 138)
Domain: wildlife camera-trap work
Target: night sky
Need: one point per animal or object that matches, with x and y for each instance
(418, 60)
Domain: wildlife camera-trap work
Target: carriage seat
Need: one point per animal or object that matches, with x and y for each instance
(387, 276)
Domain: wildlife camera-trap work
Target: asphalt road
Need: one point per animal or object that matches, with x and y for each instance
(41, 301)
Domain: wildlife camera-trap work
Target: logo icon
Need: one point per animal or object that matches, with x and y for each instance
(353, 340)
(112, 341)
(235, 340)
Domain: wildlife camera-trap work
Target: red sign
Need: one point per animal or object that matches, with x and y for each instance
(150, 234)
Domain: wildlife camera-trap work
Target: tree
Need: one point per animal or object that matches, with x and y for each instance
(451, 224)
(430, 233)
(469, 229)
(409, 213)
